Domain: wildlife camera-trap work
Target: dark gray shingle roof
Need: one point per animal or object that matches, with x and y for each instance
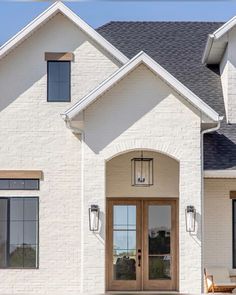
(178, 47)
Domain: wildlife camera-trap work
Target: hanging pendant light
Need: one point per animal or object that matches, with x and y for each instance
(142, 171)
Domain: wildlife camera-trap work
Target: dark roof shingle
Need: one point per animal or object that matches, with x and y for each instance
(178, 47)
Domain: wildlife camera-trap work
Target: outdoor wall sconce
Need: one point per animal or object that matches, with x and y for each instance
(142, 171)
(190, 215)
(94, 218)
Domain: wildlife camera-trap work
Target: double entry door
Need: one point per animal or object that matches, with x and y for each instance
(141, 244)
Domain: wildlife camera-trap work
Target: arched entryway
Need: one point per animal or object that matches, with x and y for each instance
(142, 222)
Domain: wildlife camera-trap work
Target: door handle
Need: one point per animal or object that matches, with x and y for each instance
(139, 257)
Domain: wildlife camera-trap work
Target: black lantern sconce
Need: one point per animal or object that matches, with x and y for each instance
(142, 171)
(94, 218)
(190, 215)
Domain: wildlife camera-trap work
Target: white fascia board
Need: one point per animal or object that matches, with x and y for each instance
(154, 67)
(49, 13)
(218, 34)
(101, 88)
(208, 47)
(220, 174)
(225, 28)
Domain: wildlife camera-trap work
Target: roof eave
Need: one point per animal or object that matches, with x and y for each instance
(207, 49)
(220, 173)
(215, 37)
(49, 13)
(160, 71)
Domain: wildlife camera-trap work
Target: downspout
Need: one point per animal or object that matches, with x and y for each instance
(217, 127)
(81, 132)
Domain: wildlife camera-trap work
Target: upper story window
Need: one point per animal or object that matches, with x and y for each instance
(58, 77)
(19, 232)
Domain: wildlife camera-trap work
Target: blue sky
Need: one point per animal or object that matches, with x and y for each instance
(15, 15)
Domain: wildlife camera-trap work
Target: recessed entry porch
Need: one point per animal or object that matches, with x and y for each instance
(142, 222)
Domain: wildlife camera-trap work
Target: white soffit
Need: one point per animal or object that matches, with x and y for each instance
(220, 174)
(126, 69)
(217, 42)
(59, 7)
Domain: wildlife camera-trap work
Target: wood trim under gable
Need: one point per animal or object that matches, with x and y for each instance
(21, 174)
(59, 56)
(232, 194)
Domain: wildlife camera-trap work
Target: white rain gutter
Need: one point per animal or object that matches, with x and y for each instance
(81, 132)
(202, 190)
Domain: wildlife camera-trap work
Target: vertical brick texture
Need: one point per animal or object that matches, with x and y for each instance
(33, 136)
(218, 223)
(228, 77)
(142, 113)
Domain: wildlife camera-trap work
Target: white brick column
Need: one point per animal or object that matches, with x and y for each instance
(190, 268)
(93, 244)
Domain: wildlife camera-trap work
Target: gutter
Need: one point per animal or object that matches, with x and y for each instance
(202, 192)
(81, 132)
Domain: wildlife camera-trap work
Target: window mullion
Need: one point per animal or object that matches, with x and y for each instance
(8, 232)
(234, 226)
(23, 258)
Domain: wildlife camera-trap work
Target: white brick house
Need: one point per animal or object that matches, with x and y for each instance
(78, 108)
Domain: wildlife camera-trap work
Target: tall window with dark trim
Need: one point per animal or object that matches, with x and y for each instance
(58, 81)
(19, 232)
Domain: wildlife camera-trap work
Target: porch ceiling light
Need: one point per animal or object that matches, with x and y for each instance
(94, 218)
(190, 215)
(142, 171)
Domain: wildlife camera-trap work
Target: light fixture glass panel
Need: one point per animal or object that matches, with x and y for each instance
(94, 218)
(142, 171)
(190, 218)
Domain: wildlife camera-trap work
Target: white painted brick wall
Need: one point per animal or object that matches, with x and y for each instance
(218, 222)
(141, 112)
(228, 77)
(33, 136)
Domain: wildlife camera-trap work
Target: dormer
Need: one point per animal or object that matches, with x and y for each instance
(221, 50)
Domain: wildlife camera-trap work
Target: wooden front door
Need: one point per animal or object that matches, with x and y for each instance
(141, 244)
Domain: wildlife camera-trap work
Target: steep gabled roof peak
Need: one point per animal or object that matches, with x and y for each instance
(217, 42)
(157, 69)
(59, 7)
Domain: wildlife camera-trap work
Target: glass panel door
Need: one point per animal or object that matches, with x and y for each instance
(123, 243)
(159, 236)
(141, 245)
(159, 245)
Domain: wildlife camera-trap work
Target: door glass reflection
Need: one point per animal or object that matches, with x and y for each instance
(124, 242)
(159, 241)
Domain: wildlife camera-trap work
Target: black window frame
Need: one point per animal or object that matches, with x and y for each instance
(20, 189)
(8, 233)
(233, 233)
(59, 61)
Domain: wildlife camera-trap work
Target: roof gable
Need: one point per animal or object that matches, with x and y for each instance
(127, 68)
(217, 42)
(59, 7)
